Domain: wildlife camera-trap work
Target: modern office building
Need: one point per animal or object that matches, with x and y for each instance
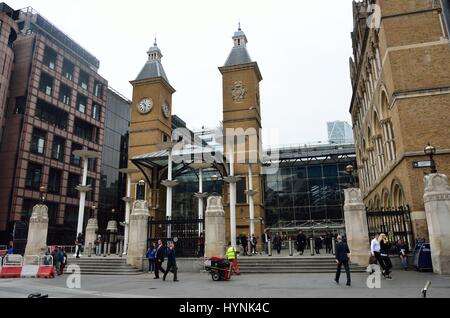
(340, 132)
(307, 190)
(114, 157)
(8, 34)
(401, 96)
(56, 105)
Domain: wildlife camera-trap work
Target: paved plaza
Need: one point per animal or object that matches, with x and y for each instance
(404, 285)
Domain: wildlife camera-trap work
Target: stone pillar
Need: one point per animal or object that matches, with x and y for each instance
(37, 231)
(91, 235)
(138, 236)
(215, 244)
(437, 208)
(419, 225)
(357, 231)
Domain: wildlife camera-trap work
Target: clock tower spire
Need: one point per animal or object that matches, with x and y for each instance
(151, 118)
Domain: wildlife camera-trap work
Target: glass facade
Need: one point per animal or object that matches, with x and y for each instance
(114, 157)
(307, 191)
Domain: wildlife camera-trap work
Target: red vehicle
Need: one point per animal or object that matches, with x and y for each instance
(219, 268)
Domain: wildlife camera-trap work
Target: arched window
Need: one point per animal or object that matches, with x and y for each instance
(379, 148)
(398, 198)
(388, 131)
(386, 203)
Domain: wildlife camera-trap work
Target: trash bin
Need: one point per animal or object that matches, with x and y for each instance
(422, 258)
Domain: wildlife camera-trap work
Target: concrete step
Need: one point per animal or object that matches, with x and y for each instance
(104, 266)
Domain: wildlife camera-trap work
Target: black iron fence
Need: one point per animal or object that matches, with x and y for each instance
(184, 234)
(395, 223)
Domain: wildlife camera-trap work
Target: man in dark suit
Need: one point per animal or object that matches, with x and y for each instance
(160, 253)
(342, 258)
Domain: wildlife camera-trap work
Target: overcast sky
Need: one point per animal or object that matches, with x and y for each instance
(302, 48)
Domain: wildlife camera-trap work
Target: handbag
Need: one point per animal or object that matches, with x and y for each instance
(372, 260)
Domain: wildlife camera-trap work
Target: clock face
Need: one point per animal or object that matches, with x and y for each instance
(166, 110)
(145, 105)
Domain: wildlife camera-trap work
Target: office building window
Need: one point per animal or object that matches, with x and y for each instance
(68, 69)
(54, 181)
(71, 217)
(65, 92)
(51, 115)
(82, 103)
(58, 148)
(34, 175)
(98, 89)
(74, 160)
(46, 84)
(72, 183)
(20, 105)
(50, 58)
(38, 141)
(96, 109)
(85, 130)
(84, 80)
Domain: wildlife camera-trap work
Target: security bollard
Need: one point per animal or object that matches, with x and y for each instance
(109, 249)
(90, 250)
(249, 248)
(105, 246)
(333, 244)
(120, 248)
(291, 248)
(269, 247)
(311, 246)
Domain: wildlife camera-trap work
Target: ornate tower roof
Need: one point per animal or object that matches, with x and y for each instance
(153, 68)
(239, 53)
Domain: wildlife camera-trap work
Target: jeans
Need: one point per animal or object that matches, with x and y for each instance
(404, 260)
(151, 264)
(347, 271)
(98, 250)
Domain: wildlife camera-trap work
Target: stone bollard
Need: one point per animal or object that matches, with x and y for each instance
(437, 208)
(356, 227)
(333, 244)
(138, 234)
(214, 227)
(90, 250)
(37, 231)
(291, 248)
(311, 246)
(105, 248)
(269, 248)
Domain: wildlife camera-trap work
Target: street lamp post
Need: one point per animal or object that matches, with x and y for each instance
(431, 151)
(349, 169)
(43, 194)
(83, 188)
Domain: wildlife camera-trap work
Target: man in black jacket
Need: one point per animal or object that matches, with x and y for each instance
(301, 242)
(342, 253)
(160, 253)
(171, 263)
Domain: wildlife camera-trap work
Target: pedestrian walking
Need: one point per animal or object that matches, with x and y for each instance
(98, 245)
(62, 257)
(231, 256)
(244, 243)
(301, 242)
(253, 243)
(201, 245)
(171, 263)
(159, 260)
(277, 243)
(79, 244)
(385, 246)
(318, 244)
(265, 237)
(56, 260)
(342, 259)
(151, 255)
(403, 253)
(328, 243)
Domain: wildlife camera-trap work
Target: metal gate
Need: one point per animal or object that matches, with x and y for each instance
(184, 234)
(396, 224)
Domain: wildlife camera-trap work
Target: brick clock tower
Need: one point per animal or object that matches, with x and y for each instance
(151, 120)
(241, 111)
